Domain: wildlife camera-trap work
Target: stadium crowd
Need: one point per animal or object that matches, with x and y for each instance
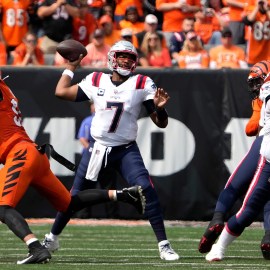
(179, 33)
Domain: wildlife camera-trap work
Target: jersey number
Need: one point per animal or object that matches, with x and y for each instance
(117, 115)
(17, 118)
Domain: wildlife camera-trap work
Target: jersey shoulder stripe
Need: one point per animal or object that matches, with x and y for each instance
(96, 78)
(141, 79)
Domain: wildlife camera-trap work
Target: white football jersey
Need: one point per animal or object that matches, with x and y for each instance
(117, 108)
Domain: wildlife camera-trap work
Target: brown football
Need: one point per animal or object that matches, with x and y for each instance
(71, 49)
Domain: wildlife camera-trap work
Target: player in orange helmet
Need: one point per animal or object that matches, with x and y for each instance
(255, 79)
(239, 181)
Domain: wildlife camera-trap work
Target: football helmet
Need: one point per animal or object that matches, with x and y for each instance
(256, 77)
(122, 46)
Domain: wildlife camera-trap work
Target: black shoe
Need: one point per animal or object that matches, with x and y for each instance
(265, 246)
(37, 255)
(210, 236)
(134, 196)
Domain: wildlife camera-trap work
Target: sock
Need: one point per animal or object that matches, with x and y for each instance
(120, 196)
(33, 243)
(225, 239)
(53, 236)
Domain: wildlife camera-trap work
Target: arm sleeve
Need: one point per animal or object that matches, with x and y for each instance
(252, 126)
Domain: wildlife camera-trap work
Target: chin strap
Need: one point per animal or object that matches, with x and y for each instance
(68, 164)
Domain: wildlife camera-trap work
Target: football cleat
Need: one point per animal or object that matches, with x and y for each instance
(50, 244)
(265, 246)
(166, 252)
(134, 196)
(36, 255)
(209, 237)
(216, 254)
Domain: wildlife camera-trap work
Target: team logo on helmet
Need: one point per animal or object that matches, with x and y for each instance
(257, 75)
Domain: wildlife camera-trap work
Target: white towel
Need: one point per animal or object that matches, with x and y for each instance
(94, 166)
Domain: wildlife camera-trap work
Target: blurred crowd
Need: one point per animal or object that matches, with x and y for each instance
(191, 34)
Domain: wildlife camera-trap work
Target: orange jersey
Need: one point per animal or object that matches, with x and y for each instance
(121, 6)
(227, 58)
(20, 52)
(236, 13)
(193, 60)
(206, 29)
(252, 126)
(258, 47)
(113, 38)
(14, 20)
(24, 165)
(83, 28)
(136, 27)
(173, 19)
(11, 129)
(3, 54)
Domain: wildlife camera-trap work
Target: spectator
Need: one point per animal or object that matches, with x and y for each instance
(14, 22)
(174, 12)
(120, 8)
(84, 25)
(95, 7)
(149, 7)
(28, 52)
(236, 10)
(150, 25)
(126, 34)
(258, 18)
(178, 38)
(59, 61)
(193, 55)
(206, 27)
(221, 11)
(97, 51)
(155, 55)
(57, 22)
(227, 55)
(108, 9)
(132, 20)
(112, 35)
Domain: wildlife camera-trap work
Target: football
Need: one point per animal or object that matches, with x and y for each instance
(71, 49)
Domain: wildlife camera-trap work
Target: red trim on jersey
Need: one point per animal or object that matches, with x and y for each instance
(141, 81)
(96, 78)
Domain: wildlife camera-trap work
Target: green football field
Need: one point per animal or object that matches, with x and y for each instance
(115, 247)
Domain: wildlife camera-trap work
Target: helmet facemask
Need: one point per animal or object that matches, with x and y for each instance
(254, 85)
(122, 47)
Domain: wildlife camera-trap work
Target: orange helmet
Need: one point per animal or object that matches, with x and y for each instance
(256, 77)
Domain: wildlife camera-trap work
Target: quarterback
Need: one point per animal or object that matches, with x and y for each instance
(118, 98)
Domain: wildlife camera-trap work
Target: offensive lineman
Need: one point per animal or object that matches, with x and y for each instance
(118, 99)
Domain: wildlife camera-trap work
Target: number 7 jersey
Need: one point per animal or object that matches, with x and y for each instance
(117, 108)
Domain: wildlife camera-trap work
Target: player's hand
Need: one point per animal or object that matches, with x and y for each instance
(73, 65)
(161, 98)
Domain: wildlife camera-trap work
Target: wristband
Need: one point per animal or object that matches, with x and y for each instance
(69, 73)
(162, 114)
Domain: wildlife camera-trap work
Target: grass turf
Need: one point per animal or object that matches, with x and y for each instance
(131, 247)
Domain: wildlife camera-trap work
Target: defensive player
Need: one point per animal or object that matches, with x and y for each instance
(257, 194)
(118, 99)
(240, 179)
(26, 165)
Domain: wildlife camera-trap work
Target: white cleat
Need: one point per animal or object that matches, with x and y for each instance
(50, 244)
(166, 252)
(216, 254)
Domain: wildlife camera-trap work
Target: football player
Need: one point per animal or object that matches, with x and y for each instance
(240, 179)
(118, 98)
(254, 172)
(26, 164)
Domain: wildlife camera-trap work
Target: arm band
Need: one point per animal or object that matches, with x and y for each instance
(162, 114)
(69, 73)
